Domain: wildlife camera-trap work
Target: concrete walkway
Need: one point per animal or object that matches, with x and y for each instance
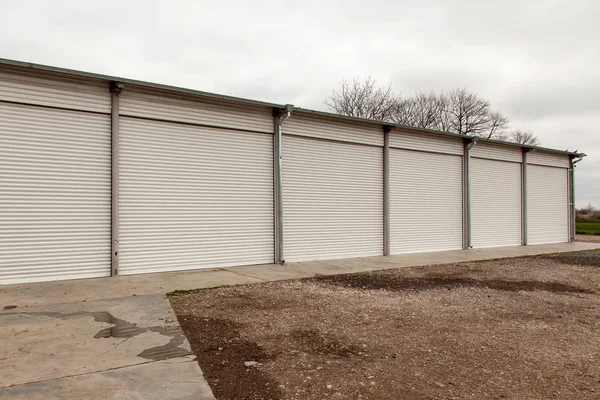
(126, 348)
(61, 292)
(117, 337)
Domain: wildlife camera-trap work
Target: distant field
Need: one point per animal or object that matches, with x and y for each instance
(588, 228)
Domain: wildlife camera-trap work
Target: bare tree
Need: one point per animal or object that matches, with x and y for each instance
(363, 99)
(522, 137)
(426, 110)
(404, 112)
(467, 114)
(498, 124)
(458, 111)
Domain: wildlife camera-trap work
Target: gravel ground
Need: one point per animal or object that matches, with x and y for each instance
(588, 238)
(522, 328)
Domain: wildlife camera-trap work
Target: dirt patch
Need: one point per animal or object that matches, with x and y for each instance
(315, 342)
(588, 238)
(517, 328)
(590, 258)
(379, 281)
(221, 353)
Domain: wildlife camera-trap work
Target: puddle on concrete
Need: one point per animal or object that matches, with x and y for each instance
(169, 350)
(122, 329)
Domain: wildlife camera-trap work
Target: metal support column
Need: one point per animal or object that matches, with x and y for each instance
(468, 143)
(276, 186)
(524, 197)
(573, 212)
(386, 190)
(572, 163)
(279, 117)
(115, 90)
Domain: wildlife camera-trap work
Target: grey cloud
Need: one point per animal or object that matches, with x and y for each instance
(535, 60)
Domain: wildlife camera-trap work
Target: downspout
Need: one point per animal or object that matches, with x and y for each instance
(573, 211)
(280, 116)
(115, 91)
(469, 143)
(386, 190)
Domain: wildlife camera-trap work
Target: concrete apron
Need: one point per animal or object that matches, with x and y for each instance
(79, 290)
(127, 348)
(118, 337)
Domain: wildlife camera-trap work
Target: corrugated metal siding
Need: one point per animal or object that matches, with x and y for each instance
(425, 202)
(332, 199)
(162, 105)
(43, 88)
(422, 141)
(495, 203)
(326, 128)
(193, 197)
(497, 152)
(547, 204)
(549, 159)
(54, 194)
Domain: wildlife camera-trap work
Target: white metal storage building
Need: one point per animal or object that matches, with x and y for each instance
(103, 176)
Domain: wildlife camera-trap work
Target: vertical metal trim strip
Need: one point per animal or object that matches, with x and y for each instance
(277, 199)
(469, 143)
(572, 205)
(115, 90)
(465, 182)
(524, 197)
(386, 191)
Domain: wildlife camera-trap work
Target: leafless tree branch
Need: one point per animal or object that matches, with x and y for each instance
(363, 99)
(522, 137)
(458, 111)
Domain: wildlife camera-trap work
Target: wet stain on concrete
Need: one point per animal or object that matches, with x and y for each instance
(169, 350)
(122, 329)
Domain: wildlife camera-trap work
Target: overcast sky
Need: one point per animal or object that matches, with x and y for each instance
(538, 62)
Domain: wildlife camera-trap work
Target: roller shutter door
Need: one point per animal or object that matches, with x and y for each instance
(54, 194)
(425, 201)
(193, 197)
(495, 203)
(547, 204)
(332, 199)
